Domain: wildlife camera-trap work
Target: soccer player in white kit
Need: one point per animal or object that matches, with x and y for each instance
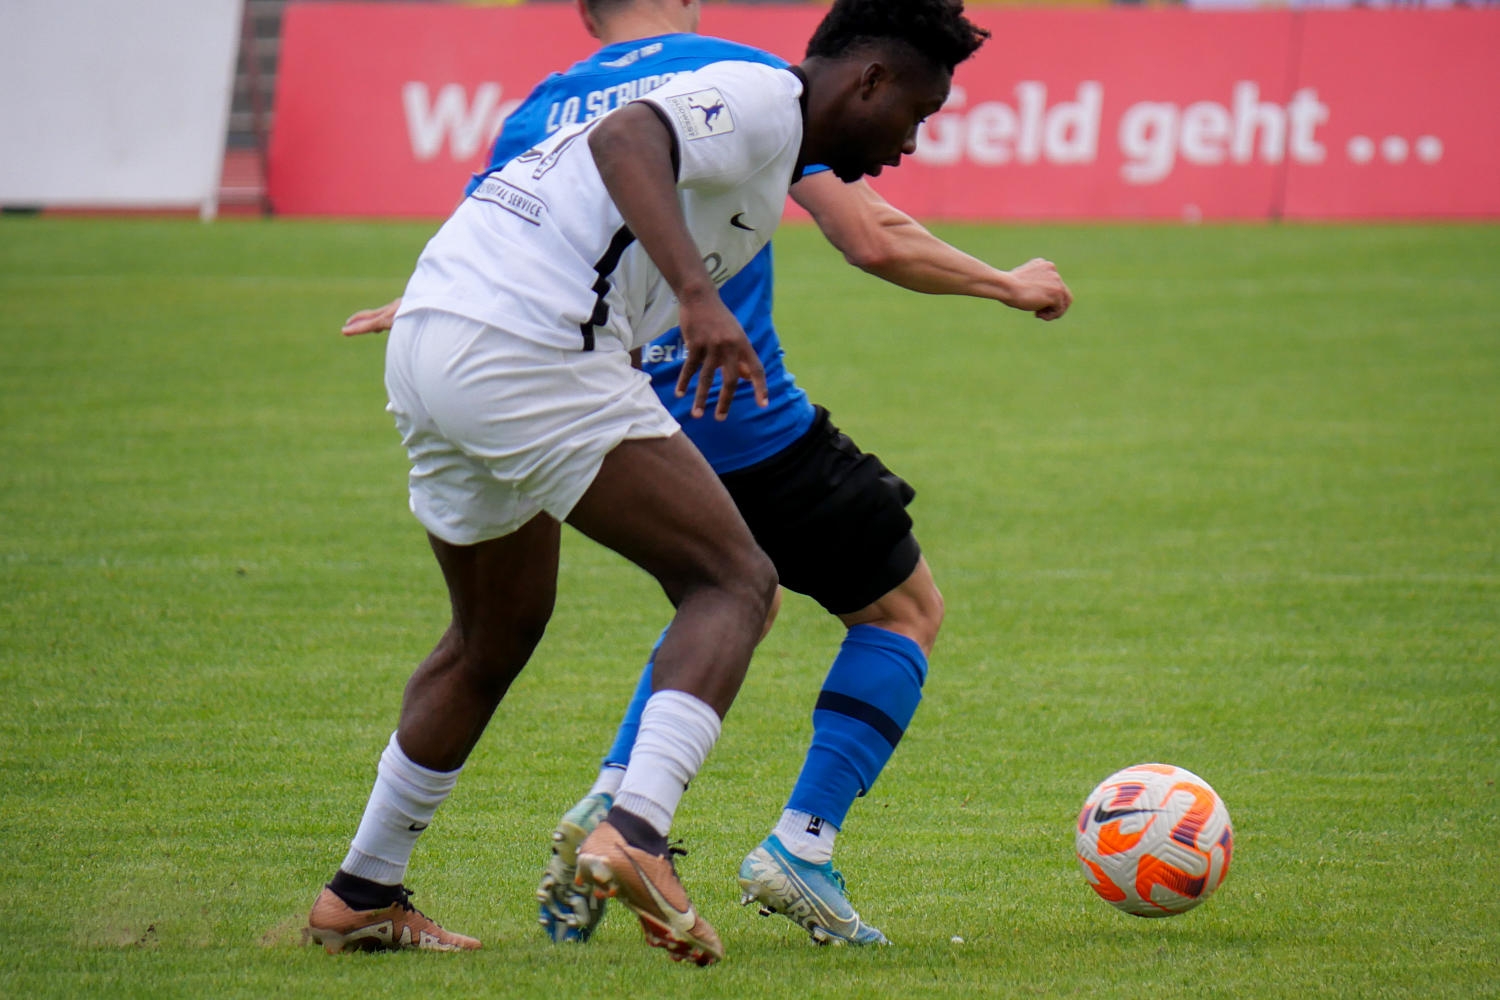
(510, 380)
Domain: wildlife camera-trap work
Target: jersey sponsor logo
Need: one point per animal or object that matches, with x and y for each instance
(512, 199)
(701, 114)
(663, 354)
(717, 270)
(586, 107)
(634, 56)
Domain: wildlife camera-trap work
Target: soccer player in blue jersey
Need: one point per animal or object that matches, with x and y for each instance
(832, 518)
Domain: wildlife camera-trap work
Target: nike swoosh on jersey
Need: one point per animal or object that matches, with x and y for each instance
(737, 221)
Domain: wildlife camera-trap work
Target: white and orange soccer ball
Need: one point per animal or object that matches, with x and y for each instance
(1154, 840)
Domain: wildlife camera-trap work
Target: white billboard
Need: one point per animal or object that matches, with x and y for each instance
(106, 103)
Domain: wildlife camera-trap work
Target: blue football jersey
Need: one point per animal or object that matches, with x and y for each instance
(616, 75)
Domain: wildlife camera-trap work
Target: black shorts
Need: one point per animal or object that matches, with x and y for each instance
(831, 518)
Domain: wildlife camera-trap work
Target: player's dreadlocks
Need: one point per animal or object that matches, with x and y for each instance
(937, 29)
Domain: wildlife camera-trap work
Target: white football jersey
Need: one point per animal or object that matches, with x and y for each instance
(539, 249)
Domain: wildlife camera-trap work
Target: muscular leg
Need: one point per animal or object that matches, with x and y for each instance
(658, 503)
(868, 699)
(564, 913)
(914, 609)
(618, 756)
(502, 592)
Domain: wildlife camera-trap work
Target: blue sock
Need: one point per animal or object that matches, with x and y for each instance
(871, 692)
(630, 725)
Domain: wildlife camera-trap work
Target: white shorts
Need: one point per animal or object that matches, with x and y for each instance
(499, 429)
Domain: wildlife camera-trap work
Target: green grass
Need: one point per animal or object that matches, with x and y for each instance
(1239, 511)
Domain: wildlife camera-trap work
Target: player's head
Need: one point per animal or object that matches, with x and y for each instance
(606, 19)
(881, 66)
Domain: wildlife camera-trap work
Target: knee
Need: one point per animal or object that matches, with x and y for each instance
(757, 576)
(926, 615)
(524, 622)
(740, 573)
(935, 609)
(771, 614)
(748, 576)
(914, 609)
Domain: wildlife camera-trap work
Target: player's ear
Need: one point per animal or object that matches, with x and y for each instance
(872, 78)
(587, 18)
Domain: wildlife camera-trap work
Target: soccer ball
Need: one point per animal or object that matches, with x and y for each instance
(1154, 840)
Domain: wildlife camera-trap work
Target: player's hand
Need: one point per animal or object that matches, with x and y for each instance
(716, 344)
(1040, 289)
(372, 320)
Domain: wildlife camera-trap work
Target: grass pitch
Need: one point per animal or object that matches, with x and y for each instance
(1238, 511)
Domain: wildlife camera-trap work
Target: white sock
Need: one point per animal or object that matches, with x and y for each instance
(806, 836)
(401, 805)
(608, 782)
(677, 732)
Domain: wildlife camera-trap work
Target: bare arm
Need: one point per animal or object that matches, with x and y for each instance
(877, 237)
(633, 150)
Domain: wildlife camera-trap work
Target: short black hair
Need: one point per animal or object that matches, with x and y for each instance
(600, 7)
(937, 29)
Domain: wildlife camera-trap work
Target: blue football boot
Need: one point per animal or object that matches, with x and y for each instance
(810, 895)
(568, 913)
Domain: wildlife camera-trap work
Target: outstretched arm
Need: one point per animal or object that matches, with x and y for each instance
(633, 149)
(877, 237)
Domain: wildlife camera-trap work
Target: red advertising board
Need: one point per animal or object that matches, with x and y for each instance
(1104, 113)
(384, 109)
(1414, 123)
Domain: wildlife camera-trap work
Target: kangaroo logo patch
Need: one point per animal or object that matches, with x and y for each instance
(701, 114)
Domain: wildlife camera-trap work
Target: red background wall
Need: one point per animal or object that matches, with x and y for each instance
(384, 110)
